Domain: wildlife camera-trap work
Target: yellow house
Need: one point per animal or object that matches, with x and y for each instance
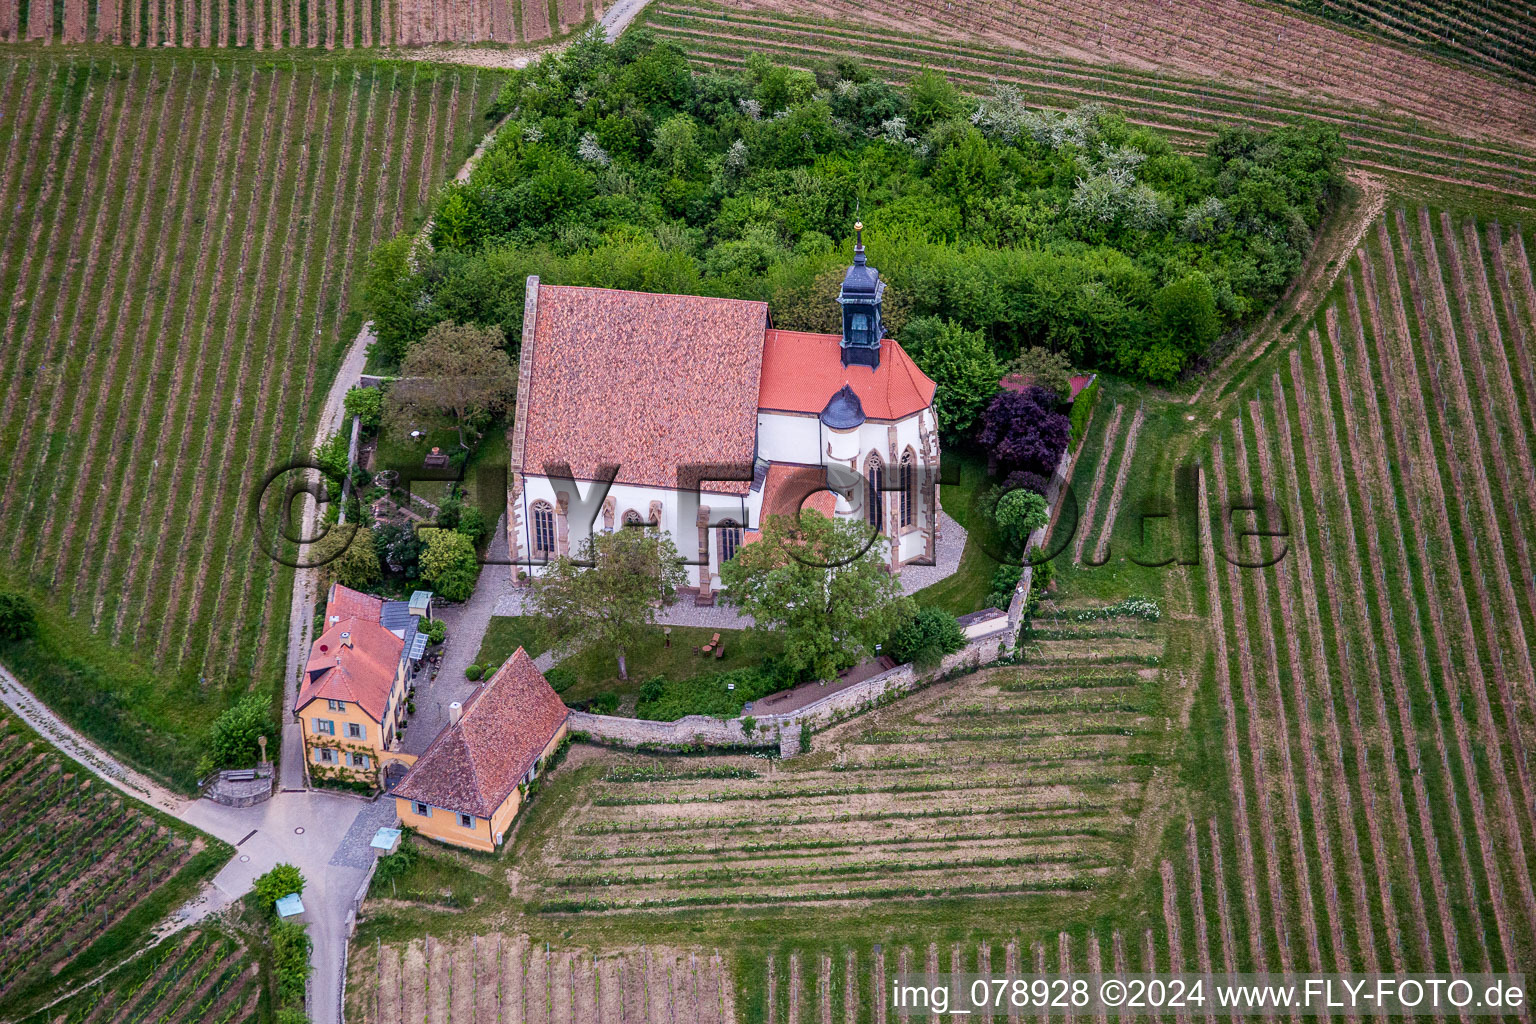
(353, 696)
(468, 785)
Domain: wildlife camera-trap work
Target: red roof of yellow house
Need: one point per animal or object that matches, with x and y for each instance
(801, 372)
(354, 660)
(345, 603)
(476, 763)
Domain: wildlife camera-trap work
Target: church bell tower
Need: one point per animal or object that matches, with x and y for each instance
(860, 299)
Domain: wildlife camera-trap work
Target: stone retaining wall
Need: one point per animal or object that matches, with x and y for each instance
(784, 731)
(240, 792)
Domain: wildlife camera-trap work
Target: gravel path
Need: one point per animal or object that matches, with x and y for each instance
(306, 582)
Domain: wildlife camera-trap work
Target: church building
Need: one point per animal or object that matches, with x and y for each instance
(697, 416)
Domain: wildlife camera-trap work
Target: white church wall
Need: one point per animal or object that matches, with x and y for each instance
(678, 514)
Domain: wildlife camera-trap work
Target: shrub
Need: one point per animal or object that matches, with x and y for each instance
(561, 678)
(367, 403)
(448, 563)
(1005, 579)
(436, 630)
(18, 620)
(290, 960)
(282, 880)
(1082, 409)
(232, 738)
(1043, 571)
(472, 524)
(605, 703)
(331, 455)
(473, 673)
(395, 865)
(927, 637)
(666, 700)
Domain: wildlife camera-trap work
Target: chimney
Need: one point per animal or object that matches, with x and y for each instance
(346, 639)
(455, 710)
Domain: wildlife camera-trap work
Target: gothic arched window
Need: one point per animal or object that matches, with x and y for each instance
(543, 529)
(873, 511)
(730, 539)
(908, 488)
(632, 518)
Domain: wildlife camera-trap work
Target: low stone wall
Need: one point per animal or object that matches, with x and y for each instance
(785, 731)
(240, 792)
(688, 731)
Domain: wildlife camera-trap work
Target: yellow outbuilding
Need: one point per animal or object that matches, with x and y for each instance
(468, 785)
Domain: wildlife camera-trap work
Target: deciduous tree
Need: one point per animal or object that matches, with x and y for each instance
(1023, 430)
(448, 563)
(1046, 369)
(821, 587)
(458, 371)
(961, 365)
(608, 598)
(232, 738)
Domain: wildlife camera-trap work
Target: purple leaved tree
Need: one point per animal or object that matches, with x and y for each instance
(1022, 431)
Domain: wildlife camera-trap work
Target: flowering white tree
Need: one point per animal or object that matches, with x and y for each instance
(589, 150)
(736, 157)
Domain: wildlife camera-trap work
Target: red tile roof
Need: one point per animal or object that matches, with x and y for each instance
(802, 371)
(344, 602)
(783, 490)
(476, 763)
(1022, 382)
(649, 382)
(359, 668)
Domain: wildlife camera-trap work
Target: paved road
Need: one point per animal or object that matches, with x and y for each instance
(466, 624)
(325, 835)
(618, 17)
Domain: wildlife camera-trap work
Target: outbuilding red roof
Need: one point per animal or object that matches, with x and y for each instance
(801, 372)
(476, 763)
(354, 660)
(648, 382)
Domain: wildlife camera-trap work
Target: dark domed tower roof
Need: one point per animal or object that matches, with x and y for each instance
(844, 411)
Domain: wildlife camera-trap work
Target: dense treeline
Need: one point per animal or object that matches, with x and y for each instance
(1075, 231)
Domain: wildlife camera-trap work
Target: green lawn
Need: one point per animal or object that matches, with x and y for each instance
(966, 590)
(506, 634)
(483, 476)
(597, 671)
